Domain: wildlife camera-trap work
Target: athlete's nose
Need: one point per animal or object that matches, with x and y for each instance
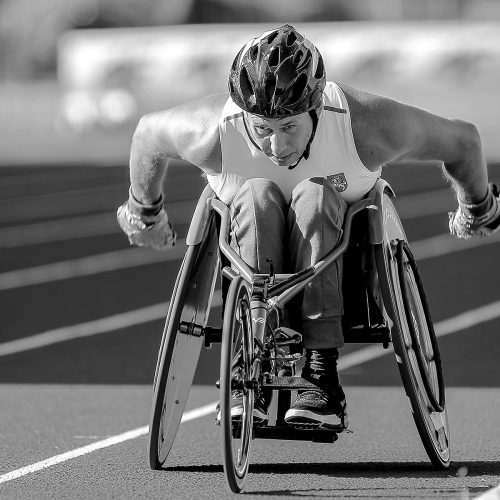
(278, 144)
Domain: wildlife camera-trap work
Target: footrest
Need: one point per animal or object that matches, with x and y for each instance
(293, 383)
(286, 432)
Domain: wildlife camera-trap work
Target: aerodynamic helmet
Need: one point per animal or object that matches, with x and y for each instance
(278, 74)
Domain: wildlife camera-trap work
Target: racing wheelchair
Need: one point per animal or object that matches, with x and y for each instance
(384, 303)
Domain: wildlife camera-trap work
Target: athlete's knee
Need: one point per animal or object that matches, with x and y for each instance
(315, 186)
(261, 192)
(318, 194)
(261, 185)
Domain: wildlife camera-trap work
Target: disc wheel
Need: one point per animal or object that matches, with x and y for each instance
(181, 344)
(236, 376)
(413, 337)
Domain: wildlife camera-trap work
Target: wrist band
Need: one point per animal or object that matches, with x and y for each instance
(481, 207)
(142, 209)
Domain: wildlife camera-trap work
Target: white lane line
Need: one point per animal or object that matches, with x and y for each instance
(90, 328)
(426, 203)
(99, 445)
(446, 327)
(88, 266)
(493, 494)
(444, 244)
(427, 248)
(104, 325)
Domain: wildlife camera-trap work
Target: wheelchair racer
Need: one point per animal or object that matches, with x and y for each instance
(287, 151)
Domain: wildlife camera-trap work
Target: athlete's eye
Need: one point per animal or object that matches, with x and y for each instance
(262, 130)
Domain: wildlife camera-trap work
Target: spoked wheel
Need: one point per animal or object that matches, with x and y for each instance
(181, 344)
(413, 337)
(236, 376)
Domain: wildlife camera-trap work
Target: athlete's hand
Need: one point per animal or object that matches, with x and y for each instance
(482, 219)
(146, 229)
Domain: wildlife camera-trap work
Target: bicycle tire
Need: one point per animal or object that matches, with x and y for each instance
(432, 425)
(180, 350)
(236, 335)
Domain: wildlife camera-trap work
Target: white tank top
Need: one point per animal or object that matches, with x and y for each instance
(332, 155)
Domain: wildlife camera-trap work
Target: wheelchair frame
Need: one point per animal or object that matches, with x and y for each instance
(394, 311)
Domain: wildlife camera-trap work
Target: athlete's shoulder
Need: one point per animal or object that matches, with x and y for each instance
(204, 112)
(190, 131)
(367, 103)
(377, 123)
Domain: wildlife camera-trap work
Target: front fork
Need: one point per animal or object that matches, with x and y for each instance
(258, 309)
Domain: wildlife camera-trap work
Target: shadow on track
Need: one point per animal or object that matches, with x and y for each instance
(360, 469)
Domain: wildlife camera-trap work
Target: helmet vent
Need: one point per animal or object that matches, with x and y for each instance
(298, 89)
(320, 70)
(253, 52)
(272, 36)
(270, 87)
(274, 58)
(297, 57)
(245, 85)
(291, 39)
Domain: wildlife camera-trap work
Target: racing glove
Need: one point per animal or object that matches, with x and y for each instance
(146, 225)
(481, 219)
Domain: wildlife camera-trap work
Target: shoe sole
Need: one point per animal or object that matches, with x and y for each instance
(303, 419)
(259, 419)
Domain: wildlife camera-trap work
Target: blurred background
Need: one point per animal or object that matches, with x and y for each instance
(75, 75)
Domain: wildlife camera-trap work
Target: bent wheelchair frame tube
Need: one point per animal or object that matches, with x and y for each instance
(291, 284)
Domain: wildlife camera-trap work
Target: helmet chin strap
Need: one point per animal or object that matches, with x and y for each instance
(314, 116)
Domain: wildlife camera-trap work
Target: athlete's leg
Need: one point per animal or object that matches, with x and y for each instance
(258, 232)
(315, 219)
(258, 224)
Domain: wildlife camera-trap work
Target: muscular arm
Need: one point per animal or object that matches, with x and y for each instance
(388, 131)
(188, 132)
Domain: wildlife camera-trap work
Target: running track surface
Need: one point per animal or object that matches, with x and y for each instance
(81, 318)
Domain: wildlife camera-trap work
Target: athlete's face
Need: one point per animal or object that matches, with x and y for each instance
(283, 140)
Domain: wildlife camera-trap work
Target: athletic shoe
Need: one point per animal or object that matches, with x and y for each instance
(315, 408)
(260, 408)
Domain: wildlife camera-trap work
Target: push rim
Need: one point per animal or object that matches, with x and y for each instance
(432, 425)
(180, 350)
(422, 335)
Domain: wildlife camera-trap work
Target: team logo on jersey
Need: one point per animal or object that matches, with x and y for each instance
(339, 182)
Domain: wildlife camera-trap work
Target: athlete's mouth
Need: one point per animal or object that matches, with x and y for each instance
(281, 159)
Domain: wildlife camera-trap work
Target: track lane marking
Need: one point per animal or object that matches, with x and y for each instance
(445, 327)
(462, 321)
(444, 244)
(491, 494)
(88, 266)
(435, 246)
(96, 327)
(98, 445)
